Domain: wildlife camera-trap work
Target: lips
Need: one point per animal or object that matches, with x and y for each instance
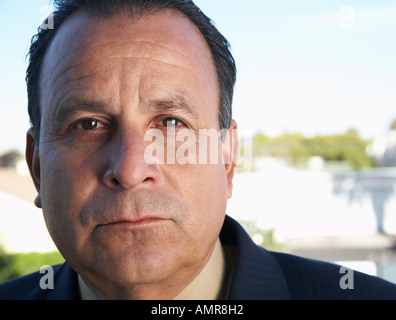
(133, 223)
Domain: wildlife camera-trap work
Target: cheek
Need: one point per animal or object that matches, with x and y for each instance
(200, 179)
(66, 183)
(203, 188)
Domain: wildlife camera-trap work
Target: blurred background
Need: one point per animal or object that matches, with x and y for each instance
(315, 102)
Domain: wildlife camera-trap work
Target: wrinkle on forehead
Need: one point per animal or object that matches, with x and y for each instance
(77, 80)
(116, 48)
(80, 50)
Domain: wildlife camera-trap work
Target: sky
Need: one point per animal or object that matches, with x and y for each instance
(309, 66)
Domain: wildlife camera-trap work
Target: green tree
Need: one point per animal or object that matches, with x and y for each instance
(19, 264)
(297, 149)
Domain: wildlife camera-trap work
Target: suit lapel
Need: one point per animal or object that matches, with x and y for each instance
(257, 274)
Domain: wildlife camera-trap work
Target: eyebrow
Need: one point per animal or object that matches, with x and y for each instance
(177, 103)
(68, 110)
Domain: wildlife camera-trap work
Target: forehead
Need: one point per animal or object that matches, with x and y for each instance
(87, 45)
(168, 28)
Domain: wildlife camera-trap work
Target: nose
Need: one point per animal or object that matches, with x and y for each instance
(127, 166)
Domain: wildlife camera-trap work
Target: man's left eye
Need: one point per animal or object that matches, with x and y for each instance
(172, 122)
(88, 124)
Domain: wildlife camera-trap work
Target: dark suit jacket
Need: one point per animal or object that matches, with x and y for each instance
(258, 274)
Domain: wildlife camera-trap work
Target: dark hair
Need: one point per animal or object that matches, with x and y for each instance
(219, 46)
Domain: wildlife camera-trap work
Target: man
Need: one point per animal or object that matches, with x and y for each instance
(133, 224)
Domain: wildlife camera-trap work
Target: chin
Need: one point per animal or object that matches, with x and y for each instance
(133, 267)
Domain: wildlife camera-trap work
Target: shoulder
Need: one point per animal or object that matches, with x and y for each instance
(35, 285)
(312, 279)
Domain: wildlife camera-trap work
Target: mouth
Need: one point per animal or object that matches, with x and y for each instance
(134, 224)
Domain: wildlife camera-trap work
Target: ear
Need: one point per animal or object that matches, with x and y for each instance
(230, 154)
(33, 161)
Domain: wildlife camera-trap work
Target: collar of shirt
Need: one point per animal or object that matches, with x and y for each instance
(208, 285)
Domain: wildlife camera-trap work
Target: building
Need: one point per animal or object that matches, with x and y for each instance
(13, 159)
(383, 149)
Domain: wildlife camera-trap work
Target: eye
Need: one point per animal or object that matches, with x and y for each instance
(172, 122)
(88, 124)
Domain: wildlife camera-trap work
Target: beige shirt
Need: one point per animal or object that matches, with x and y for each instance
(208, 285)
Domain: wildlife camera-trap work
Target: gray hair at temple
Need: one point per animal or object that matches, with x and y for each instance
(218, 45)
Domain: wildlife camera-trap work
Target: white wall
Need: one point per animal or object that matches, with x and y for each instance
(314, 203)
(22, 227)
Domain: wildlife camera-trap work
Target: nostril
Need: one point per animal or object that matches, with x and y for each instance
(112, 182)
(115, 182)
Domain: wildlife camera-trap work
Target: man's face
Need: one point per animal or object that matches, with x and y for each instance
(118, 220)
